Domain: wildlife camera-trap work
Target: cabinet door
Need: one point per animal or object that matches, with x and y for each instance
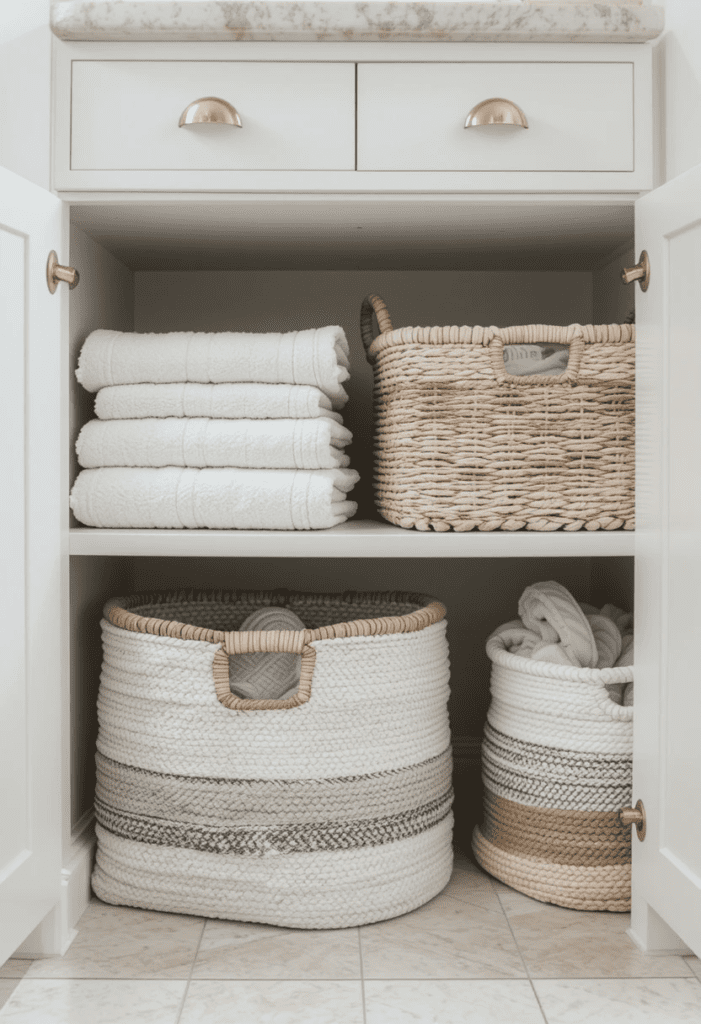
(667, 760)
(30, 561)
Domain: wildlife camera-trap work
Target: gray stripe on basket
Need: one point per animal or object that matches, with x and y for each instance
(299, 838)
(260, 802)
(529, 773)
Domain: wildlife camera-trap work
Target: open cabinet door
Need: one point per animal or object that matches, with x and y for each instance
(30, 560)
(667, 757)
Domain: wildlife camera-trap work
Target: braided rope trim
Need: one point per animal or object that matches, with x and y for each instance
(580, 887)
(288, 641)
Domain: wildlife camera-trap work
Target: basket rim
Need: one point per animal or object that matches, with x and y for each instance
(118, 612)
(497, 653)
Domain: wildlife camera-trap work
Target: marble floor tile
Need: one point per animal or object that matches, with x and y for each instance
(232, 950)
(560, 943)
(470, 884)
(71, 1001)
(451, 1002)
(122, 942)
(621, 1000)
(15, 968)
(695, 964)
(446, 938)
(7, 987)
(273, 1002)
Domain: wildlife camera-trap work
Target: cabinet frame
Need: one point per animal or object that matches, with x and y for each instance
(64, 178)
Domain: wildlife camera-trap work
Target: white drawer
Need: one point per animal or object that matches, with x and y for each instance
(294, 115)
(412, 117)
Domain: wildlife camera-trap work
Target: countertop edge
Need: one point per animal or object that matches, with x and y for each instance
(352, 21)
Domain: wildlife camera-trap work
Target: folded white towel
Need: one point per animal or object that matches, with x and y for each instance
(248, 444)
(215, 401)
(218, 499)
(545, 360)
(318, 357)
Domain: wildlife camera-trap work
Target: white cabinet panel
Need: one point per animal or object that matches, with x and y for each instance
(30, 562)
(294, 115)
(667, 766)
(412, 117)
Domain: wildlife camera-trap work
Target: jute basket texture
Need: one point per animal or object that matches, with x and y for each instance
(329, 809)
(557, 770)
(461, 444)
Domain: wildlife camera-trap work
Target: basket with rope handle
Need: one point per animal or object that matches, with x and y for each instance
(328, 809)
(462, 444)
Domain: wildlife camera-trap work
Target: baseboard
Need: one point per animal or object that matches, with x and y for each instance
(58, 929)
(681, 950)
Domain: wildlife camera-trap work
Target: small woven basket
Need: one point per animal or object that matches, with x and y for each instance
(462, 444)
(557, 770)
(329, 809)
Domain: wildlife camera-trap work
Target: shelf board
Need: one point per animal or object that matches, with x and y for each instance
(355, 539)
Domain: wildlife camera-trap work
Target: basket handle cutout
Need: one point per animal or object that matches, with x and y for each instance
(272, 640)
(373, 305)
(572, 336)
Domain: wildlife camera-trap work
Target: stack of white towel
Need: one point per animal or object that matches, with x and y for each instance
(554, 627)
(224, 431)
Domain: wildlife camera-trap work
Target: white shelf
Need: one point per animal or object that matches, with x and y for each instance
(357, 539)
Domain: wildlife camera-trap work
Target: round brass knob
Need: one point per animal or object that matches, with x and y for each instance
(635, 816)
(496, 111)
(55, 273)
(640, 272)
(210, 110)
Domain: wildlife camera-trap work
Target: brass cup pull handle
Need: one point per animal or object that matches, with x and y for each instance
(210, 110)
(55, 272)
(635, 816)
(496, 111)
(640, 272)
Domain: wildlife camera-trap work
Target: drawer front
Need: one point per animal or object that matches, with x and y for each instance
(412, 117)
(294, 115)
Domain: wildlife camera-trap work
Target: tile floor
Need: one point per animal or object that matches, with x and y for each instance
(479, 953)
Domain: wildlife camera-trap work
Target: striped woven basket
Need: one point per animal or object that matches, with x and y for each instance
(461, 444)
(557, 770)
(328, 809)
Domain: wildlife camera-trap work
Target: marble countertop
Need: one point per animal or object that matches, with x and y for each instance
(356, 20)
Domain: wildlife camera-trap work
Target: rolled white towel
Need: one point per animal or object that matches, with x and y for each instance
(201, 443)
(318, 357)
(215, 401)
(550, 610)
(218, 499)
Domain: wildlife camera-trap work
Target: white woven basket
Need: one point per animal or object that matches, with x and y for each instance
(557, 770)
(326, 810)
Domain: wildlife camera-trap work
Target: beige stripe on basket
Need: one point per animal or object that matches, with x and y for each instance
(579, 887)
(594, 838)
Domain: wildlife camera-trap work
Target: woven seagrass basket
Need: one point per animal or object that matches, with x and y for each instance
(328, 809)
(462, 444)
(557, 771)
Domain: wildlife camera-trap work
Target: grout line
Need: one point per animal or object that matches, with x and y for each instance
(189, 977)
(523, 961)
(362, 977)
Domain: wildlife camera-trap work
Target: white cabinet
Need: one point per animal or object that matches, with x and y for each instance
(352, 117)
(297, 245)
(32, 598)
(667, 865)
(293, 115)
(580, 117)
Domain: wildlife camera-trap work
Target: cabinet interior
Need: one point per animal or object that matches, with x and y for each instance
(277, 263)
